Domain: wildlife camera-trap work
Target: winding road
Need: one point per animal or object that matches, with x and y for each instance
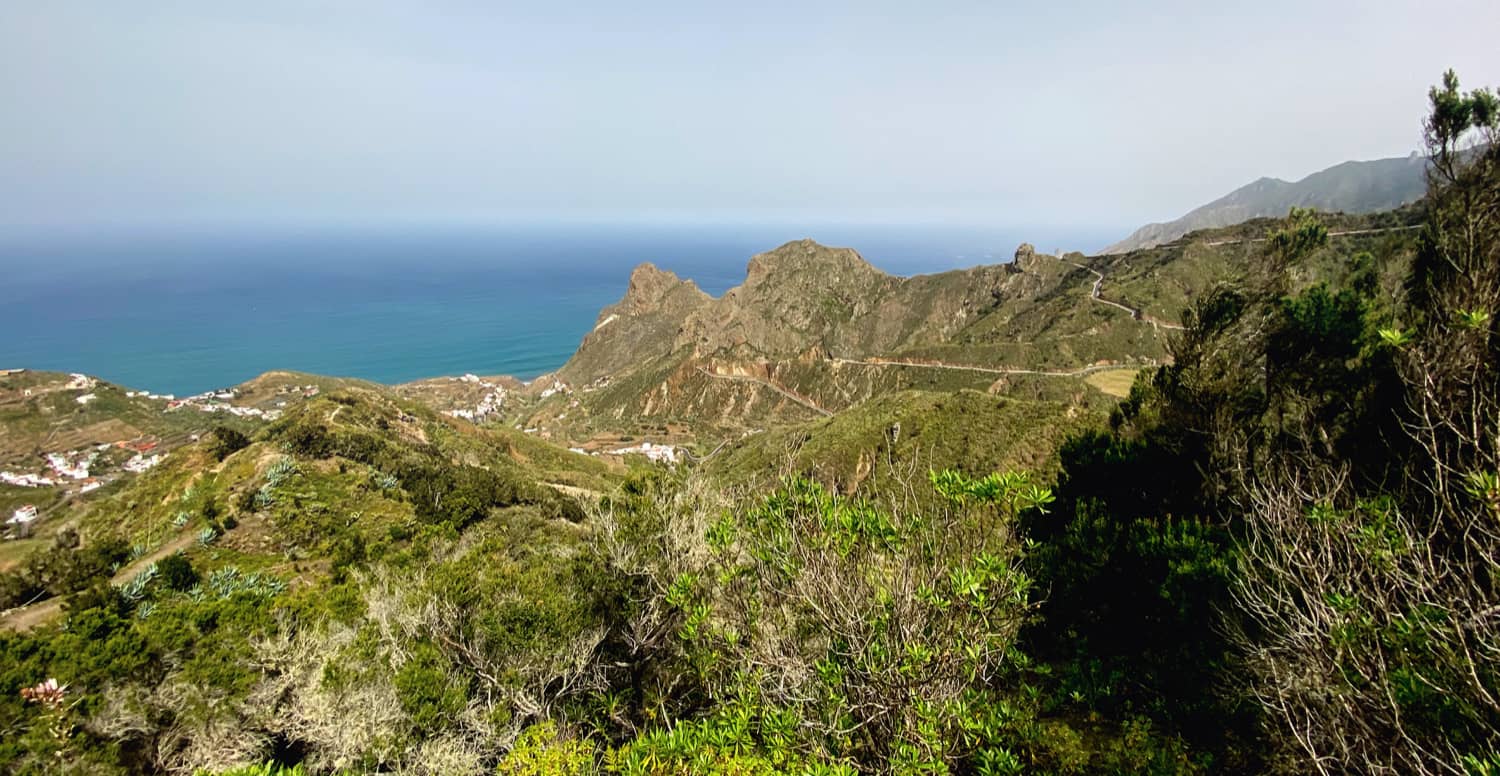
(1095, 294)
(1348, 233)
(996, 370)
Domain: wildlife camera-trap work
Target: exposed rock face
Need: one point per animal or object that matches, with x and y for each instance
(1025, 257)
(798, 299)
(641, 327)
(650, 289)
(804, 296)
(814, 328)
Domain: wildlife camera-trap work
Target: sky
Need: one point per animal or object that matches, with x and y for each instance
(356, 111)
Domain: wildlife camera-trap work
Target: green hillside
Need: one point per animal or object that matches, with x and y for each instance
(1225, 505)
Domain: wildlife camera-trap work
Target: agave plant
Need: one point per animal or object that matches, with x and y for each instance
(181, 519)
(207, 536)
(135, 589)
(229, 580)
(280, 471)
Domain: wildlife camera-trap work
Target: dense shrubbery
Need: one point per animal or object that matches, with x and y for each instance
(453, 495)
(1280, 555)
(64, 568)
(1289, 535)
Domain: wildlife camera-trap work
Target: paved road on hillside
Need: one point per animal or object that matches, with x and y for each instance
(1348, 233)
(998, 370)
(1095, 294)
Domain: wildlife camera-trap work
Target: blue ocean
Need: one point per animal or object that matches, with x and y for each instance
(188, 309)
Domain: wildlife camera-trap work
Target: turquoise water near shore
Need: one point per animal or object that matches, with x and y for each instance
(186, 310)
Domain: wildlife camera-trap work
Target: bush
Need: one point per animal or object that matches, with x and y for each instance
(224, 442)
(837, 629)
(431, 693)
(177, 572)
(542, 751)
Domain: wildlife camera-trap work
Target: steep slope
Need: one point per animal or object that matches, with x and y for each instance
(1351, 187)
(643, 326)
(355, 461)
(813, 330)
(880, 446)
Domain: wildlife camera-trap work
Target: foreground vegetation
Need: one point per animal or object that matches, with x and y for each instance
(1277, 554)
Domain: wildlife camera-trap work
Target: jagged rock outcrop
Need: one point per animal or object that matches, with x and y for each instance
(814, 329)
(804, 295)
(642, 327)
(1025, 258)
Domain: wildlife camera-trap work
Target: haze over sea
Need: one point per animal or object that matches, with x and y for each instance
(185, 310)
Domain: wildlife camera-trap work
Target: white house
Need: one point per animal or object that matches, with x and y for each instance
(22, 520)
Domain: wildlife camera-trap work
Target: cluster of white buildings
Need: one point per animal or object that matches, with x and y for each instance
(489, 405)
(78, 382)
(557, 387)
(218, 401)
(231, 409)
(150, 395)
(654, 452)
(307, 391)
(26, 480)
(139, 463)
(73, 464)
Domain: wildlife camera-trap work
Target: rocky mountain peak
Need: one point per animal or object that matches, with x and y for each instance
(650, 286)
(1025, 258)
(800, 257)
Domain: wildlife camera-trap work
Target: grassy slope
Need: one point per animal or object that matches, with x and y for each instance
(860, 449)
(328, 502)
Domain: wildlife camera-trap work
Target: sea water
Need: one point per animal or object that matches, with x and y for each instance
(182, 310)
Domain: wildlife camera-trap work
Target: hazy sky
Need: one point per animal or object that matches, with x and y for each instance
(1096, 113)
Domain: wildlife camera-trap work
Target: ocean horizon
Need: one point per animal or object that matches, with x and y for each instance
(188, 310)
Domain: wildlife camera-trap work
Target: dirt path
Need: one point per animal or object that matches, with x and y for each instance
(24, 618)
(798, 398)
(575, 491)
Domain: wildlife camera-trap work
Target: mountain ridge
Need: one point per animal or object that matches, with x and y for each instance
(1351, 186)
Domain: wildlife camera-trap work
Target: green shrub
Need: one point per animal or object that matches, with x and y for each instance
(542, 751)
(431, 693)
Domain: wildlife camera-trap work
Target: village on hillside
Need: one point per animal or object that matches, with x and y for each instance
(86, 434)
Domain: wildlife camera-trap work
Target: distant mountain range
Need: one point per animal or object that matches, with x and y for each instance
(1351, 187)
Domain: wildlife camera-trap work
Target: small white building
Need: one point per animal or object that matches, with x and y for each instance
(22, 519)
(139, 463)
